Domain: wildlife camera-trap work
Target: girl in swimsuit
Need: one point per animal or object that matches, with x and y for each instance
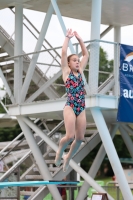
(74, 110)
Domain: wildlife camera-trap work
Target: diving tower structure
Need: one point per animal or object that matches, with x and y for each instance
(101, 107)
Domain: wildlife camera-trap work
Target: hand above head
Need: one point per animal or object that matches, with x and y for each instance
(77, 35)
(69, 33)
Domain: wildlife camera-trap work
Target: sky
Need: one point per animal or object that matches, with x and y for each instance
(55, 35)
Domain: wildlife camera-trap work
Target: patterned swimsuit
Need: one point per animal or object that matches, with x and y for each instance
(75, 93)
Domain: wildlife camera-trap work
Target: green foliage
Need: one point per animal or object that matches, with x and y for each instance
(105, 168)
(9, 133)
(2, 110)
(88, 160)
(104, 65)
(120, 146)
(60, 89)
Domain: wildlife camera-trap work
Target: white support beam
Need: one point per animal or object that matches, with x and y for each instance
(57, 11)
(35, 56)
(127, 128)
(49, 106)
(94, 46)
(39, 81)
(39, 158)
(127, 140)
(43, 87)
(106, 31)
(7, 87)
(106, 86)
(18, 49)
(72, 163)
(101, 35)
(88, 179)
(95, 166)
(117, 38)
(111, 152)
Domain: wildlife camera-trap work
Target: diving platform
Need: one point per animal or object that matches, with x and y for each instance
(33, 95)
(47, 109)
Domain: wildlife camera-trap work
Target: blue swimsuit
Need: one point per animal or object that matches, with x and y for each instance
(75, 93)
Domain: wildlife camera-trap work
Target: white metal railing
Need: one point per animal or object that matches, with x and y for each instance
(26, 56)
(18, 163)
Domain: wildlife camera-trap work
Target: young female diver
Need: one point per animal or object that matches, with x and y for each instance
(74, 110)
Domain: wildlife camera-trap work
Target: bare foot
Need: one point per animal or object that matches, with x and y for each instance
(57, 159)
(66, 163)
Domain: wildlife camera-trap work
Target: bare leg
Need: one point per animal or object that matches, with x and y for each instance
(69, 119)
(74, 147)
(62, 146)
(79, 137)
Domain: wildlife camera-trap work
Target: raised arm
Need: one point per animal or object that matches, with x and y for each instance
(64, 62)
(85, 53)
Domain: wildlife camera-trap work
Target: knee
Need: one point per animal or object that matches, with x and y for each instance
(79, 139)
(70, 138)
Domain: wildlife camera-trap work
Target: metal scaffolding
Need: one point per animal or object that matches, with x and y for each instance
(33, 96)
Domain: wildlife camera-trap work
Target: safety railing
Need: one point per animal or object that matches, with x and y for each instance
(112, 187)
(105, 72)
(108, 67)
(19, 162)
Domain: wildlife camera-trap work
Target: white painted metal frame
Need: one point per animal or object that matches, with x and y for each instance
(35, 56)
(94, 47)
(95, 166)
(111, 152)
(28, 134)
(43, 87)
(8, 90)
(72, 163)
(26, 123)
(39, 158)
(117, 38)
(18, 62)
(127, 140)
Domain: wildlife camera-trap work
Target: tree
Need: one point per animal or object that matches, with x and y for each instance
(8, 133)
(105, 65)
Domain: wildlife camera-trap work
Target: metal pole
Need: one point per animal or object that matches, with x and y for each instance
(44, 87)
(72, 163)
(7, 86)
(117, 38)
(18, 179)
(101, 35)
(88, 178)
(35, 56)
(95, 166)
(57, 11)
(128, 128)
(18, 48)
(39, 158)
(9, 144)
(118, 191)
(127, 140)
(111, 152)
(94, 46)
(38, 33)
